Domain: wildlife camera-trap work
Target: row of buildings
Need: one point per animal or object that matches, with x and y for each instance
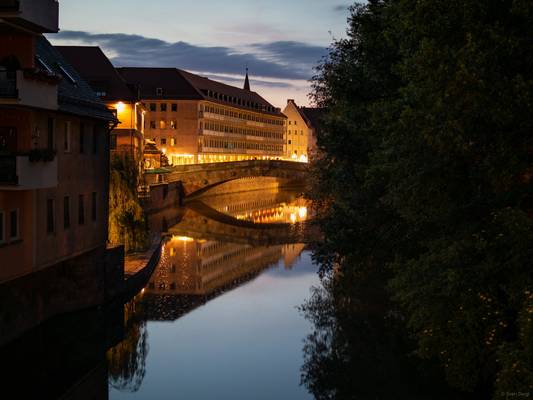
(191, 119)
(64, 110)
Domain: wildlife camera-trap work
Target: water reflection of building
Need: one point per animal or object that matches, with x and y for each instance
(200, 267)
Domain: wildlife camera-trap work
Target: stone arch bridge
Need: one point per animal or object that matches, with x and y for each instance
(198, 178)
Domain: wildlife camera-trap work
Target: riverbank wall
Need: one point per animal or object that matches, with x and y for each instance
(89, 280)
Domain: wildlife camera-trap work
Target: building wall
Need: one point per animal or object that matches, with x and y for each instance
(202, 131)
(79, 174)
(21, 45)
(82, 169)
(299, 134)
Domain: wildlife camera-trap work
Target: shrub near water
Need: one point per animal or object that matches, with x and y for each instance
(127, 222)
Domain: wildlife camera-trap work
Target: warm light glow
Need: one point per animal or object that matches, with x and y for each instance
(293, 218)
(294, 156)
(120, 106)
(182, 239)
(163, 150)
(302, 212)
(303, 158)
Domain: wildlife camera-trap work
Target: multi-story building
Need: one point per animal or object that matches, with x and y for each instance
(193, 119)
(54, 155)
(302, 127)
(110, 87)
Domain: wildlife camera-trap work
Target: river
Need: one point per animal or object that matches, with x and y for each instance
(219, 317)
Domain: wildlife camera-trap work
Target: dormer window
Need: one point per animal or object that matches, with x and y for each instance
(44, 66)
(67, 75)
(159, 91)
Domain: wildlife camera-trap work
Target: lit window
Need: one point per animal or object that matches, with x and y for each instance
(172, 141)
(162, 124)
(173, 124)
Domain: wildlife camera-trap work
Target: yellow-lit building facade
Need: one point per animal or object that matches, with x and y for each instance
(301, 135)
(128, 135)
(196, 120)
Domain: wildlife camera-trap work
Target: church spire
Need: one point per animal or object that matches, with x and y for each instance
(246, 81)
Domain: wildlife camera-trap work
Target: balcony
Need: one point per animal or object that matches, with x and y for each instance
(40, 16)
(28, 88)
(17, 172)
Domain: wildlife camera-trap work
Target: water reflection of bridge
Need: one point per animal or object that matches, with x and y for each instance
(219, 244)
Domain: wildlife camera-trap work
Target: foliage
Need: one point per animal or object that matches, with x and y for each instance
(127, 222)
(423, 173)
(127, 360)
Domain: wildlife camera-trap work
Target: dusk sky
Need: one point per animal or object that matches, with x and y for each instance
(280, 41)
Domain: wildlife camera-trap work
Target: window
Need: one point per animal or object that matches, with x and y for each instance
(82, 138)
(152, 106)
(172, 141)
(159, 91)
(95, 141)
(67, 74)
(290, 142)
(173, 124)
(66, 212)
(81, 210)
(93, 207)
(44, 65)
(66, 136)
(51, 136)
(50, 216)
(162, 124)
(152, 124)
(14, 224)
(2, 227)
(163, 107)
(163, 141)
(174, 107)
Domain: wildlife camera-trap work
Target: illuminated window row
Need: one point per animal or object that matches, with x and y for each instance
(223, 144)
(234, 114)
(163, 124)
(241, 131)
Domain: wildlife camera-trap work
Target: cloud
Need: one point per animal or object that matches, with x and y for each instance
(341, 7)
(282, 59)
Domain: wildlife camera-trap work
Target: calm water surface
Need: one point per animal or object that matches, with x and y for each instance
(219, 317)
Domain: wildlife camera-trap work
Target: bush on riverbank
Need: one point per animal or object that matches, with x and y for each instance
(127, 222)
(425, 173)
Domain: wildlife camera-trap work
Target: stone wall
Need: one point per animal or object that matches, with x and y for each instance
(79, 283)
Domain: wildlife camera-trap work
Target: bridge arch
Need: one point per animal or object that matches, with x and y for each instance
(198, 178)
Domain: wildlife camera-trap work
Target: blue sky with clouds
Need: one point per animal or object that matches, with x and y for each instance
(280, 41)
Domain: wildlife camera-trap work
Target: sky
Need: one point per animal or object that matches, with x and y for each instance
(280, 41)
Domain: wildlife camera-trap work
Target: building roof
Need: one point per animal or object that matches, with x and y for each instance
(75, 96)
(173, 83)
(97, 70)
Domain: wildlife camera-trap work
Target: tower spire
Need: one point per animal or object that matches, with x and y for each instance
(246, 81)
